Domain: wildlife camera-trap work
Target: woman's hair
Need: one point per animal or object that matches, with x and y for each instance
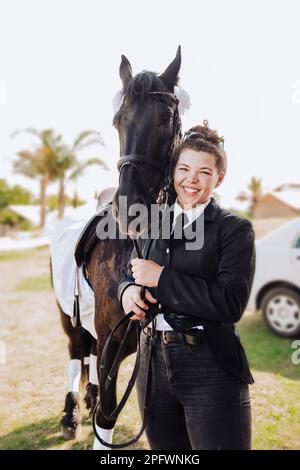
(203, 138)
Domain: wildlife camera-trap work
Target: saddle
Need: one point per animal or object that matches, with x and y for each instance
(85, 245)
(88, 237)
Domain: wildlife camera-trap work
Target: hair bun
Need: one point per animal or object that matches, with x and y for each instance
(205, 133)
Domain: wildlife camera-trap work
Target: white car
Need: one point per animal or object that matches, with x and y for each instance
(276, 285)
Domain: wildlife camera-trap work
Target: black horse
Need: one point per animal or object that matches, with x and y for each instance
(149, 128)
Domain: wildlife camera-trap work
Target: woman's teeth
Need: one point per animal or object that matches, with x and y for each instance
(190, 190)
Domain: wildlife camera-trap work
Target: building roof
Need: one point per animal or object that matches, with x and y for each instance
(290, 197)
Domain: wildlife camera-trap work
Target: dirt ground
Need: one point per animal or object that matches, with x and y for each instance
(33, 379)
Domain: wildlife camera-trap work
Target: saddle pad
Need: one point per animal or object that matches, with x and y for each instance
(62, 246)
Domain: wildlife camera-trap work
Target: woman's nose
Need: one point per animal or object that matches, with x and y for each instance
(193, 178)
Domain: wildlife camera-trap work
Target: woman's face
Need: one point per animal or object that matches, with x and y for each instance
(195, 177)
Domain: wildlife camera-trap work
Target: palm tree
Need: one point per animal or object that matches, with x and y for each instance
(38, 164)
(53, 160)
(70, 168)
(77, 172)
(255, 188)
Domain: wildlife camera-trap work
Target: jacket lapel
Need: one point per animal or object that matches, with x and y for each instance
(210, 214)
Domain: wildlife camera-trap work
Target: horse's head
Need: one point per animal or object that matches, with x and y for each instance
(149, 127)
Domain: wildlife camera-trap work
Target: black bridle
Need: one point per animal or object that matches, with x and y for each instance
(106, 376)
(140, 162)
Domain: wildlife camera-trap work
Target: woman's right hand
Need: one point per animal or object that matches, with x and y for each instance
(132, 302)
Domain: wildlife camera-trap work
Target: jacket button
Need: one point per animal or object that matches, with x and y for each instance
(168, 250)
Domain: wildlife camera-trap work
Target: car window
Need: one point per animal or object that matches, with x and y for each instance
(297, 244)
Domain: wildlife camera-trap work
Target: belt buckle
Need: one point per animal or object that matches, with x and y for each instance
(164, 337)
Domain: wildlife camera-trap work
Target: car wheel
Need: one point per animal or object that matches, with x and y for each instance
(281, 311)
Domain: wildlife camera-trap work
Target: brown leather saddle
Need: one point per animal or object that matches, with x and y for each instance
(88, 237)
(84, 247)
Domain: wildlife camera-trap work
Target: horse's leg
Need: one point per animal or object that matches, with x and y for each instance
(71, 420)
(93, 385)
(105, 427)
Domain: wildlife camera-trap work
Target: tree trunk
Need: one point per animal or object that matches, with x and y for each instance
(255, 199)
(43, 206)
(61, 198)
(75, 199)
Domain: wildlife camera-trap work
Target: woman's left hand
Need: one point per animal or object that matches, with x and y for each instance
(146, 272)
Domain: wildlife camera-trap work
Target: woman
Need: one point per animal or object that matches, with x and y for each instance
(199, 370)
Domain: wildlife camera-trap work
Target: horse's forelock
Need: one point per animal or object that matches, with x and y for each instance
(142, 84)
(138, 89)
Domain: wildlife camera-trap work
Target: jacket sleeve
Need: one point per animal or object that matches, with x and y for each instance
(127, 279)
(225, 299)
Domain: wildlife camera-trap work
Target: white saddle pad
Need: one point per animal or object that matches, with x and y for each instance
(64, 236)
(64, 267)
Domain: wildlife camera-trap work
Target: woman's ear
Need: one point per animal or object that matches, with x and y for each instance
(220, 179)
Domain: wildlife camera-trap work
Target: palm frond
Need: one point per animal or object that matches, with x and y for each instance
(81, 167)
(79, 143)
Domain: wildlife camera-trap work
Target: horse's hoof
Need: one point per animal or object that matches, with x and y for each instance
(69, 432)
(71, 421)
(91, 397)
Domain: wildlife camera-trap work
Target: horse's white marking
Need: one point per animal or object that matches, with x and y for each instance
(93, 376)
(182, 95)
(86, 360)
(74, 374)
(106, 435)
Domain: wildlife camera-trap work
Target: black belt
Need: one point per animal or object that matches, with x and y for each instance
(174, 337)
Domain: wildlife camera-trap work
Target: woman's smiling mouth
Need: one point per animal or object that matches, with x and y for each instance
(190, 190)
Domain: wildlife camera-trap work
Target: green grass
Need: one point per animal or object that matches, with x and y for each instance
(20, 254)
(265, 351)
(34, 284)
(14, 255)
(276, 392)
(40, 435)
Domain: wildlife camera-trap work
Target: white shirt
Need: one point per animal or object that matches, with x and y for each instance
(192, 215)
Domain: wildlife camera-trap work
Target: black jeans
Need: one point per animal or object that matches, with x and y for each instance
(194, 402)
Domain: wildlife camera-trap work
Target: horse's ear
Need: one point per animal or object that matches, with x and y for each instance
(170, 75)
(125, 71)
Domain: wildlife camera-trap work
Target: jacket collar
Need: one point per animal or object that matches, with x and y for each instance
(210, 214)
(211, 211)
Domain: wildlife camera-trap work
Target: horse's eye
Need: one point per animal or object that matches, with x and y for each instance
(166, 118)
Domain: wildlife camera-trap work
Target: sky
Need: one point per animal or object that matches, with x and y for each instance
(59, 67)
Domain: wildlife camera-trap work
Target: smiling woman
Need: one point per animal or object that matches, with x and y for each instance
(199, 396)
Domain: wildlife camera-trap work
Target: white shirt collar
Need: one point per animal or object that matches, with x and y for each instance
(192, 213)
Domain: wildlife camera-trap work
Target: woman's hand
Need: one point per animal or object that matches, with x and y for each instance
(132, 302)
(146, 272)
